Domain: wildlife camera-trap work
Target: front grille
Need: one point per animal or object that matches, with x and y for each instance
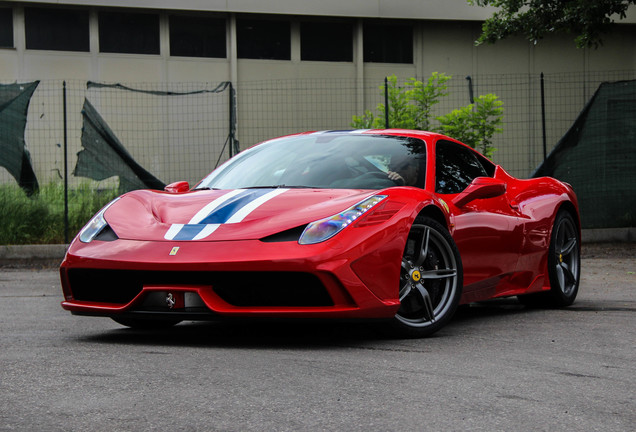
(271, 289)
(243, 289)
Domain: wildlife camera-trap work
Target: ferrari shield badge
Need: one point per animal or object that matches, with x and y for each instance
(174, 250)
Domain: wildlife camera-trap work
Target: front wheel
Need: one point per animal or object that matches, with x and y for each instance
(430, 280)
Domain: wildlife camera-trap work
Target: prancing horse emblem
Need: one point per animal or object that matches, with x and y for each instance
(174, 250)
(170, 301)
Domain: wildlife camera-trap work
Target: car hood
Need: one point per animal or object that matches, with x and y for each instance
(219, 215)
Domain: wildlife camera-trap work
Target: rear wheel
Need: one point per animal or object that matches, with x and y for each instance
(146, 324)
(564, 265)
(430, 280)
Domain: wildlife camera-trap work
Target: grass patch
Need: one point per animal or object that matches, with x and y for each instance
(39, 219)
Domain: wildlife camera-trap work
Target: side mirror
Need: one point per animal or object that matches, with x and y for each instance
(480, 188)
(177, 187)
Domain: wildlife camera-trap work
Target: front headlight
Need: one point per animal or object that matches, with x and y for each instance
(95, 225)
(326, 228)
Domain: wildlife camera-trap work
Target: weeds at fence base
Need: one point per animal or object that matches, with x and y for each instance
(39, 219)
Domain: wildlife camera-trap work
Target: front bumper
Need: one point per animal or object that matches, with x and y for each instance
(250, 278)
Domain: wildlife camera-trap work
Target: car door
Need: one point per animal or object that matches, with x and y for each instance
(488, 231)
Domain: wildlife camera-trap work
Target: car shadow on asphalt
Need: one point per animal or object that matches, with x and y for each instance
(297, 334)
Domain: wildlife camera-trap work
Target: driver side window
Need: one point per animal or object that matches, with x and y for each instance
(455, 167)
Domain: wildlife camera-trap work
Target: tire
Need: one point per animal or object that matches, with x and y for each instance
(146, 324)
(430, 280)
(564, 265)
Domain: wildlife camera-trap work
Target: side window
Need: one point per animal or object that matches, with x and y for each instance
(455, 167)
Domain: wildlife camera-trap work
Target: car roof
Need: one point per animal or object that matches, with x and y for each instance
(397, 132)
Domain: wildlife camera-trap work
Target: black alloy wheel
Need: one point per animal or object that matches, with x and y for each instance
(430, 280)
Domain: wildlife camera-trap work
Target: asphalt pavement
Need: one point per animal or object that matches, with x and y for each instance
(497, 367)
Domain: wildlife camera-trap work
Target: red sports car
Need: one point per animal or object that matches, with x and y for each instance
(376, 224)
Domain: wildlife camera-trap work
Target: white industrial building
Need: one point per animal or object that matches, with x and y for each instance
(244, 40)
(297, 41)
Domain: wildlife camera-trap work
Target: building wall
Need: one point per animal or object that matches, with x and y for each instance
(444, 32)
(443, 41)
(409, 9)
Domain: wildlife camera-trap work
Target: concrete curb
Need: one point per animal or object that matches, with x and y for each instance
(609, 235)
(37, 256)
(40, 256)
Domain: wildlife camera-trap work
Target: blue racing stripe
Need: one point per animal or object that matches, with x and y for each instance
(233, 205)
(188, 232)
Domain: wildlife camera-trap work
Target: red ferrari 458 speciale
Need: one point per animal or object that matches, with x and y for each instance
(376, 224)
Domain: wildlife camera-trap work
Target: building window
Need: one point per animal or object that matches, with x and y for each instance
(263, 39)
(128, 33)
(326, 41)
(388, 43)
(56, 29)
(6, 28)
(197, 36)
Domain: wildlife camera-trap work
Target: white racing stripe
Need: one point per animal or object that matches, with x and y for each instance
(206, 231)
(249, 208)
(173, 231)
(194, 230)
(205, 211)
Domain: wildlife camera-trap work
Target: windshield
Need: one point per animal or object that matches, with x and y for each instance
(325, 160)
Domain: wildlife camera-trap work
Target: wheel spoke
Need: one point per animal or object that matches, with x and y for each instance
(423, 249)
(438, 274)
(405, 266)
(560, 276)
(568, 273)
(560, 238)
(405, 291)
(428, 311)
(569, 247)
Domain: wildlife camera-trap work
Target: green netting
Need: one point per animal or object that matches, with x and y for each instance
(14, 104)
(104, 156)
(597, 157)
(130, 133)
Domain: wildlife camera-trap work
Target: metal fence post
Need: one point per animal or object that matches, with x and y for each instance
(234, 144)
(545, 155)
(66, 228)
(231, 125)
(386, 103)
(471, 96)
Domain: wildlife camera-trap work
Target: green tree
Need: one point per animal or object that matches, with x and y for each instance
(425, 96)
(475, 123)
(410, 107)
(587, 20)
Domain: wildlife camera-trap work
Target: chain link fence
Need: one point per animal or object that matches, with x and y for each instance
(134, 135)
